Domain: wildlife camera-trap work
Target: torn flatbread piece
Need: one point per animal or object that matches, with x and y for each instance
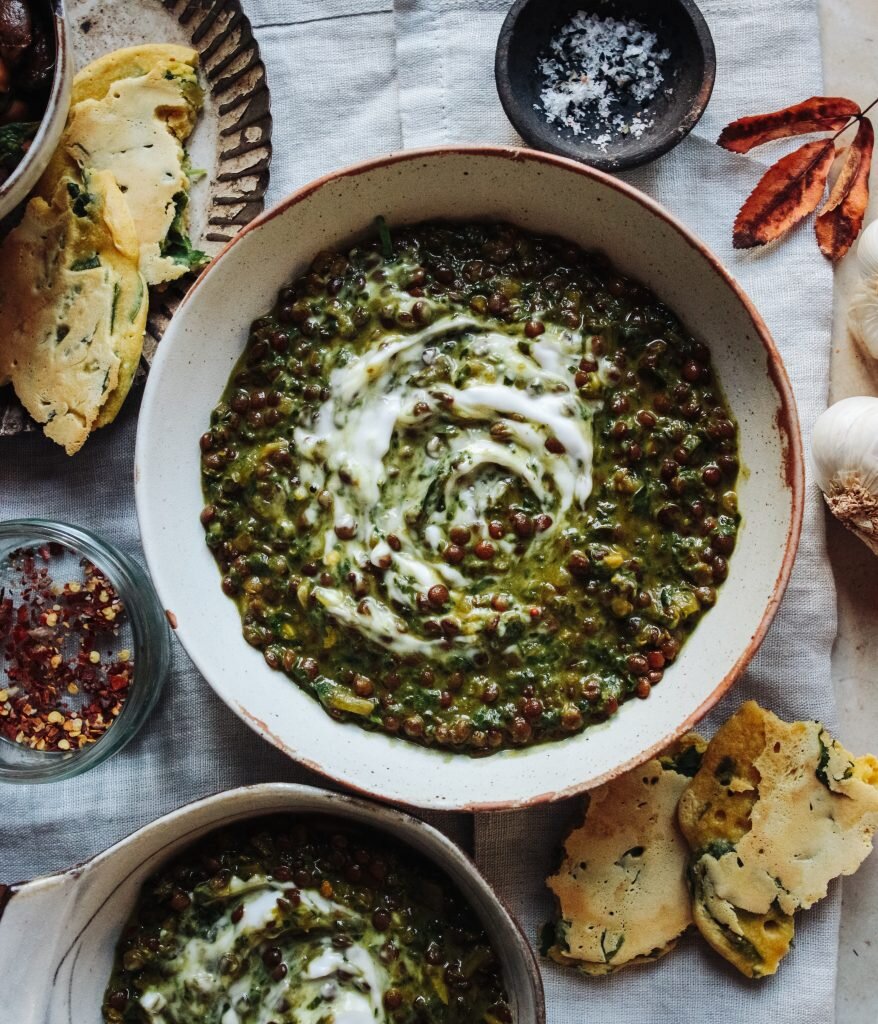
(134, 125)
(94, 81)
(776, 811)
(73, 307)
(621, 889)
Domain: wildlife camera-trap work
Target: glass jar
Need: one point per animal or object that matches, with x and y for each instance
(144, 631)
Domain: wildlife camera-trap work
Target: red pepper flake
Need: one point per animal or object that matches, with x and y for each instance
(50, 638)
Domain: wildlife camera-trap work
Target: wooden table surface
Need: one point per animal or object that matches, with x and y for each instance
(850, 64)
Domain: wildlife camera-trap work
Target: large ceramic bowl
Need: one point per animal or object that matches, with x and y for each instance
(542, 193)
(62, 930)
(15, 188)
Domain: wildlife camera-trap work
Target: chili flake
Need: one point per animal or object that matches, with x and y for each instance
(56, 641)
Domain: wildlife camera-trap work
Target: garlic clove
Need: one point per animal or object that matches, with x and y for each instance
(844, 451)
(863, 315)
(867, 252)
(863, 311)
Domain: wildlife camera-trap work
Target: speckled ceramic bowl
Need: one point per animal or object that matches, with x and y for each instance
(67, 967)
(541, 193)
(16, 187)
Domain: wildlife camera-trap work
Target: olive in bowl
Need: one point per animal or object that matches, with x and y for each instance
(35, 79)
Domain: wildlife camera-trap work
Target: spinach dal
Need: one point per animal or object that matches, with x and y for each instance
(470, 486)
(296, 920)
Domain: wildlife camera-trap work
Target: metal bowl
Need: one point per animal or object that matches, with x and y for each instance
(69, 966)
(16, 187)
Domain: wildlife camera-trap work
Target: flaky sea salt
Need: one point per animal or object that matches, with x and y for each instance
(598, 76)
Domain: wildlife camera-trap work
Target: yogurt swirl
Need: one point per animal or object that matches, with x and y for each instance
(433, 431)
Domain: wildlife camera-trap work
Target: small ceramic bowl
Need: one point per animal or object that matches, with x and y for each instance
(15, 188)
(543, 194)
(689, 74)
(68, 966)
(145, 632)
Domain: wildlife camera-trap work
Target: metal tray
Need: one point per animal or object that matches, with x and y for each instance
(232, 140)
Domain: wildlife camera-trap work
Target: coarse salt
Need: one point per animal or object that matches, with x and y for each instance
(598, 75)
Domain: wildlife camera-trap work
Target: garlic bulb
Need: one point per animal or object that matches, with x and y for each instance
(863, 313)
(844, 449)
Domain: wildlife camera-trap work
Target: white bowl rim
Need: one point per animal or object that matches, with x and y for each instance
(787, 422)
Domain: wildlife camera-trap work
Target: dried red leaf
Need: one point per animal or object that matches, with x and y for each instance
(817, 114)
(788, 191)
(841, 218)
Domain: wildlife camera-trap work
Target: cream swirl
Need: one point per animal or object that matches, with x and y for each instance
(435, 429)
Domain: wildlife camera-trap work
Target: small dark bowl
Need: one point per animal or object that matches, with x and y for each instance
(526, 33)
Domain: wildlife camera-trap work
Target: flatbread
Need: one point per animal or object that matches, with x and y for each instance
(621, 889)
(133, 125)
(776, 811)
(72, 306)
(94, 81)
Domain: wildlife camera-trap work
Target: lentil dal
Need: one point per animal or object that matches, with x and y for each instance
(470, 486)
(303, 921)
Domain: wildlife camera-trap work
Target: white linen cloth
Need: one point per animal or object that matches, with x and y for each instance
(355, 78)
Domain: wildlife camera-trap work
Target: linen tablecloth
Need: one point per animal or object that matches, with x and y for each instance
(351, 79)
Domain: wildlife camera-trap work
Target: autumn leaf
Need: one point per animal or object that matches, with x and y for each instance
(788, 191)
(841, 217)
(817, 114)
(793, 187)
